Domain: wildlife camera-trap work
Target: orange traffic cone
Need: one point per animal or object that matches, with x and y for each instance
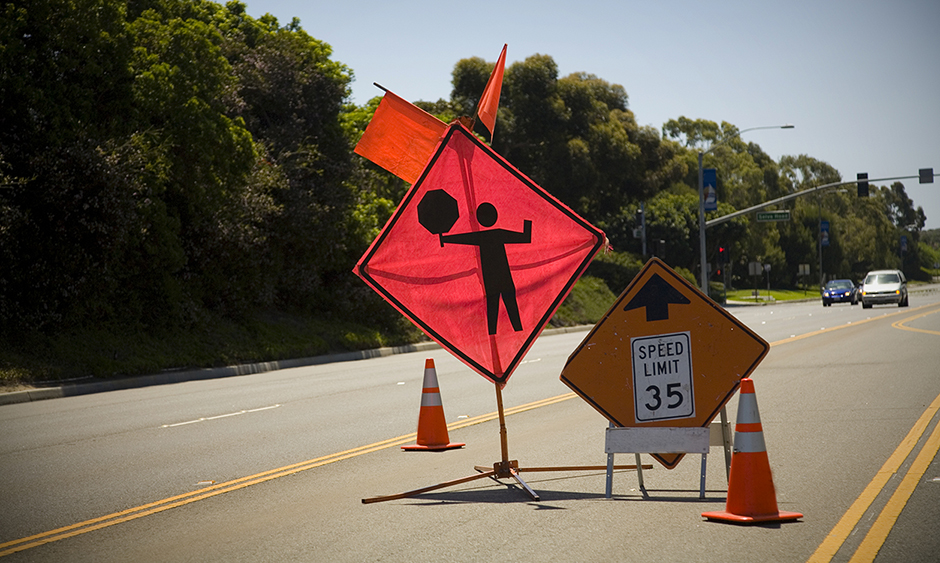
(751, 495)
(432, 429)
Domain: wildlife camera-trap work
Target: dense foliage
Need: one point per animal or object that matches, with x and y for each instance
(167, 161)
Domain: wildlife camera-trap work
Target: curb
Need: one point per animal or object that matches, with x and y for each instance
(182, 376)
(734, 303)
(931, 288)
(168, 377)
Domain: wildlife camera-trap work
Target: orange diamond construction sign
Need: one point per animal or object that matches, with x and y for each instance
(663, 355)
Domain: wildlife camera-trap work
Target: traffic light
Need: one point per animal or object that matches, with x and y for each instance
(862, 178)
(722, 258)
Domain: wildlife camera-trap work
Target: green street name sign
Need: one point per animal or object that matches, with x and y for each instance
(768, 216)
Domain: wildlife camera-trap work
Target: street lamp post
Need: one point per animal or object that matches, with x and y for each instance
(701, 198)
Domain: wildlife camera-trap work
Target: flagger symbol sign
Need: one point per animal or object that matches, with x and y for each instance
(478, 255)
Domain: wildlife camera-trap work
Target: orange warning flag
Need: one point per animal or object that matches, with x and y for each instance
(489, 101)
(401, 137)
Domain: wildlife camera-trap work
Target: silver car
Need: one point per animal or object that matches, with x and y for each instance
(884, 286)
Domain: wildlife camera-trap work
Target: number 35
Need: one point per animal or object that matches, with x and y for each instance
(672, 392)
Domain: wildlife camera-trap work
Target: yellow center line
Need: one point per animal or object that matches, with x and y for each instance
(828, 548)
(29, 542)
(863, 321)
(900, 324)
(878, 533)
(840, 532)
(37, 540)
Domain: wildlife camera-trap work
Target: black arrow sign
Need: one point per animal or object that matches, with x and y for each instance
(656, 295)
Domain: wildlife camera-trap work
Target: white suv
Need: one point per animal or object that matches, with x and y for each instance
(884, 286)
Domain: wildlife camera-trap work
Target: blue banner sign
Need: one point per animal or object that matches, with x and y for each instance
(710, 183)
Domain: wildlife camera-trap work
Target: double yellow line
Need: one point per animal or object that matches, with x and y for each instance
(824, 553)
(900, 324)
(878, 533)
(66, 532)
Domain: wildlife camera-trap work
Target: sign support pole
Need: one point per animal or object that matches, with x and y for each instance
(503, 441)
(506, 468)
(726, 439)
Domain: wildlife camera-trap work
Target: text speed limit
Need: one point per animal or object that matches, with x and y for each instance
(662, 377)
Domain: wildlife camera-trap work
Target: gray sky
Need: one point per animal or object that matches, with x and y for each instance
(860, 80)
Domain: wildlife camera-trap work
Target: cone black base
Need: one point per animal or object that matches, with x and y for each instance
(756, 519)
(433, 447)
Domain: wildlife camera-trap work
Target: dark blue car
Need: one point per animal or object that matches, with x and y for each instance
(839, 291)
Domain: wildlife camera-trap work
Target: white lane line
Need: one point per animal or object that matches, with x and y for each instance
(204, 419)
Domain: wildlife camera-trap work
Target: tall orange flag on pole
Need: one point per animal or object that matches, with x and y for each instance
(489, 101)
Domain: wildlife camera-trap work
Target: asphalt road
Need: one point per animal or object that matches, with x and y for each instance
(273, 466)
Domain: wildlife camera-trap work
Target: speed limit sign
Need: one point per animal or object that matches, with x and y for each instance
(662, 377)
(664, 355)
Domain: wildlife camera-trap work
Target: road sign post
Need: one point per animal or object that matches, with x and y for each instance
(803, 272)
(480, 257)
(685, 355)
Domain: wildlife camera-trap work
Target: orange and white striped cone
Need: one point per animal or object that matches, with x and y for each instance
(432, 428)
(751, 494)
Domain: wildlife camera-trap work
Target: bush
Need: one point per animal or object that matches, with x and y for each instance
(589, 299)
(616, 269)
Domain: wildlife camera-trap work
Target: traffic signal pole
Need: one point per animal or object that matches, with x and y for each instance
(925, 176)
(758, 207)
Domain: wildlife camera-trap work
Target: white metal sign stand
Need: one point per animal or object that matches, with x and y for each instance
(666, 440)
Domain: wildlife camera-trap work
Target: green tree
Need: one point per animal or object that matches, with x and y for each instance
(746, 176)
(697, 134)
(864, 233)
(469, 79)
(65, 87)
(799, 237)
(182, 80)
(930, 258)
(291, 97)
(931, 237)
(909, 222)
(575, 136)
(64, 73)
(673, 218)
(169, 158)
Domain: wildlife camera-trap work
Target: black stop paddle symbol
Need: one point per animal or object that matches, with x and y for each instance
(437, 212)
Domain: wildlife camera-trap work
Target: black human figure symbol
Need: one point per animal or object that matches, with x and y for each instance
(497, 279)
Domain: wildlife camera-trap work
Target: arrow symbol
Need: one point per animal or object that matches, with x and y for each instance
(656, 295)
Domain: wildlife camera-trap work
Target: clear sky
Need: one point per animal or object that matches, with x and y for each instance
(860, 80)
